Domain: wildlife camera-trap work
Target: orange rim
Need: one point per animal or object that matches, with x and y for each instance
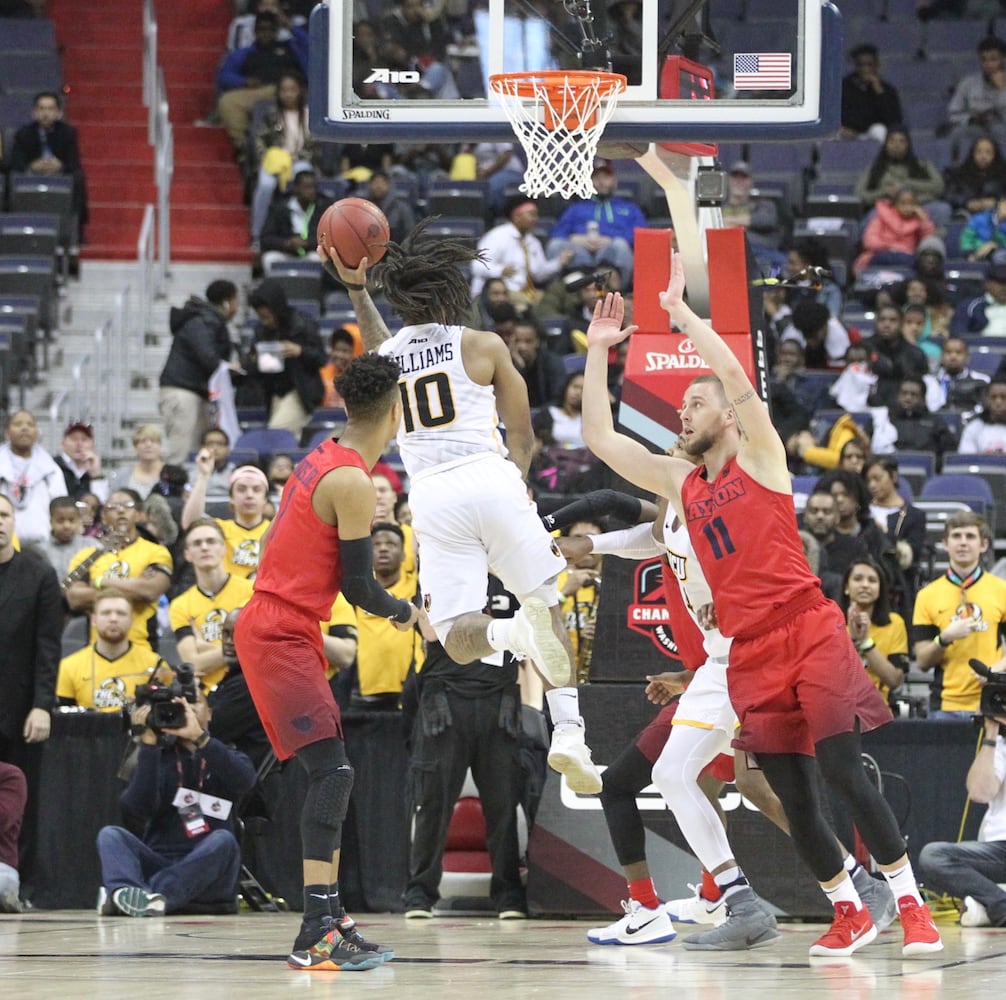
(529, 86)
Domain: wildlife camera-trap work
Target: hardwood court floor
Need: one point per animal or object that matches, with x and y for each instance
(64, 955)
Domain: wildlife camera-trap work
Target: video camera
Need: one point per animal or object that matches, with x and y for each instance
(993, 699)
(165, 712)
(573, 281)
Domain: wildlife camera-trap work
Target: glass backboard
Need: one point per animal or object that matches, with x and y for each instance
(418, 69)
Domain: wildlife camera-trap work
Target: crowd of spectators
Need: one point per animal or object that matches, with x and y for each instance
(861, 371)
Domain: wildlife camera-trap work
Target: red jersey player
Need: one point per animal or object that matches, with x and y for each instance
(318, 545)
(796, 683)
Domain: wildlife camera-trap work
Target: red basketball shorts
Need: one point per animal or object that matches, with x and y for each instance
(800, 683)
(282, 657)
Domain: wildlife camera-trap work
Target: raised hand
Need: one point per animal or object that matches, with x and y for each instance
(605, 328)
(349, 276)
(674, 295)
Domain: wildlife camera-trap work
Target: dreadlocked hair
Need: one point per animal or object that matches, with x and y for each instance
(425, 278)
(369, 385)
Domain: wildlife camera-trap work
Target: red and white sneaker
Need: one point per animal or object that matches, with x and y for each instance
(921, 935)
(850, 931)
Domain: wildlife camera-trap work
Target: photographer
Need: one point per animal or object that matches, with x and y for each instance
(974, 869)
(182, 791)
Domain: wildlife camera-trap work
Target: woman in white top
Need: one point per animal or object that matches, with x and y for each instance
(567, 420)
(284, 131)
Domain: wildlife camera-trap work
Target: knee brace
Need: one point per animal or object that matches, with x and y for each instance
(329, 785)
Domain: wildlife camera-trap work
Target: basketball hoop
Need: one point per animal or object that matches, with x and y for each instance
(559, 117)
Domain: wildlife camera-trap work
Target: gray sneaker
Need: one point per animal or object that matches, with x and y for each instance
(133, 901)
(749, 924)
(876, 896)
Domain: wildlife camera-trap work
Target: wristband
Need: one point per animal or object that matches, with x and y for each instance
(866, 645)
(941, 643)
(989, 743)
(353, 288)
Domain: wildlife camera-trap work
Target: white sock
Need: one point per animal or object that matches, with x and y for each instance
(726, 879)
(844, 892)
(902, 883)
(564, 706)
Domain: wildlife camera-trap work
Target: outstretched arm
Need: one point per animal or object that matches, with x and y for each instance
(373, 329)
(656, 473)
(761, 447)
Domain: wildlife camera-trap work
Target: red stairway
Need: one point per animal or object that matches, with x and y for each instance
(102, 49)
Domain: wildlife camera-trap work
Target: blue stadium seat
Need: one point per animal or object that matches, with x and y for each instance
(991, 468)
(15, 110)
(29, 233)
(966, 488)
(27, 34)
(301, 279)
(31, 275)
(465, 199)
(320, 436)
(309, 307)
(916, 467)
(30, 72)
(845, 156)
(251, 416)
(266, 440)
(332, 187)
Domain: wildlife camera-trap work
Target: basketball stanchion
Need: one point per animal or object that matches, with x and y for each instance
(559, 117)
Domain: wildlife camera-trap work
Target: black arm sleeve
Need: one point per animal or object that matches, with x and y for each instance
(360, 587)
(592, 506)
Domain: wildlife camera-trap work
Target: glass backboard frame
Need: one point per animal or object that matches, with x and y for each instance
(337, 114)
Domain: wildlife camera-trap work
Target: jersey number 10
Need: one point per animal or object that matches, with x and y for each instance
(432, 402)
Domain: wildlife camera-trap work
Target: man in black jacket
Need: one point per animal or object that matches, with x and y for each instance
(892, 357)
(47, 146)
(870, 105)
(918, 429)
(289, 370)
(543, 371)
(290, 231)
(31, 616)
(185, 796)
(200, 342)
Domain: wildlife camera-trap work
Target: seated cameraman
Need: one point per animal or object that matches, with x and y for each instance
(975, 870)
(183, 791)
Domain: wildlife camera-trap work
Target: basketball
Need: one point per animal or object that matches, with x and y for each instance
(355, 228)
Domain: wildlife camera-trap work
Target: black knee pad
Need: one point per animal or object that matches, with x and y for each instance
(330, 783)
(325, 807)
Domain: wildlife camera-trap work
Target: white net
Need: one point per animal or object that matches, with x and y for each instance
(559, 119)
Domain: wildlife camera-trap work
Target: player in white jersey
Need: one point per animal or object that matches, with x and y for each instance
(702, 729)
(470, 507)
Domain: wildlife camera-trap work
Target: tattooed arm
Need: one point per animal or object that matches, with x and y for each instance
(373, 329)
(762, 451)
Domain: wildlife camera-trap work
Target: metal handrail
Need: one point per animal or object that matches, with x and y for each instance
(150, 67)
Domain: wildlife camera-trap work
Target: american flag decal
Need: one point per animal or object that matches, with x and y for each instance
(763, 71)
